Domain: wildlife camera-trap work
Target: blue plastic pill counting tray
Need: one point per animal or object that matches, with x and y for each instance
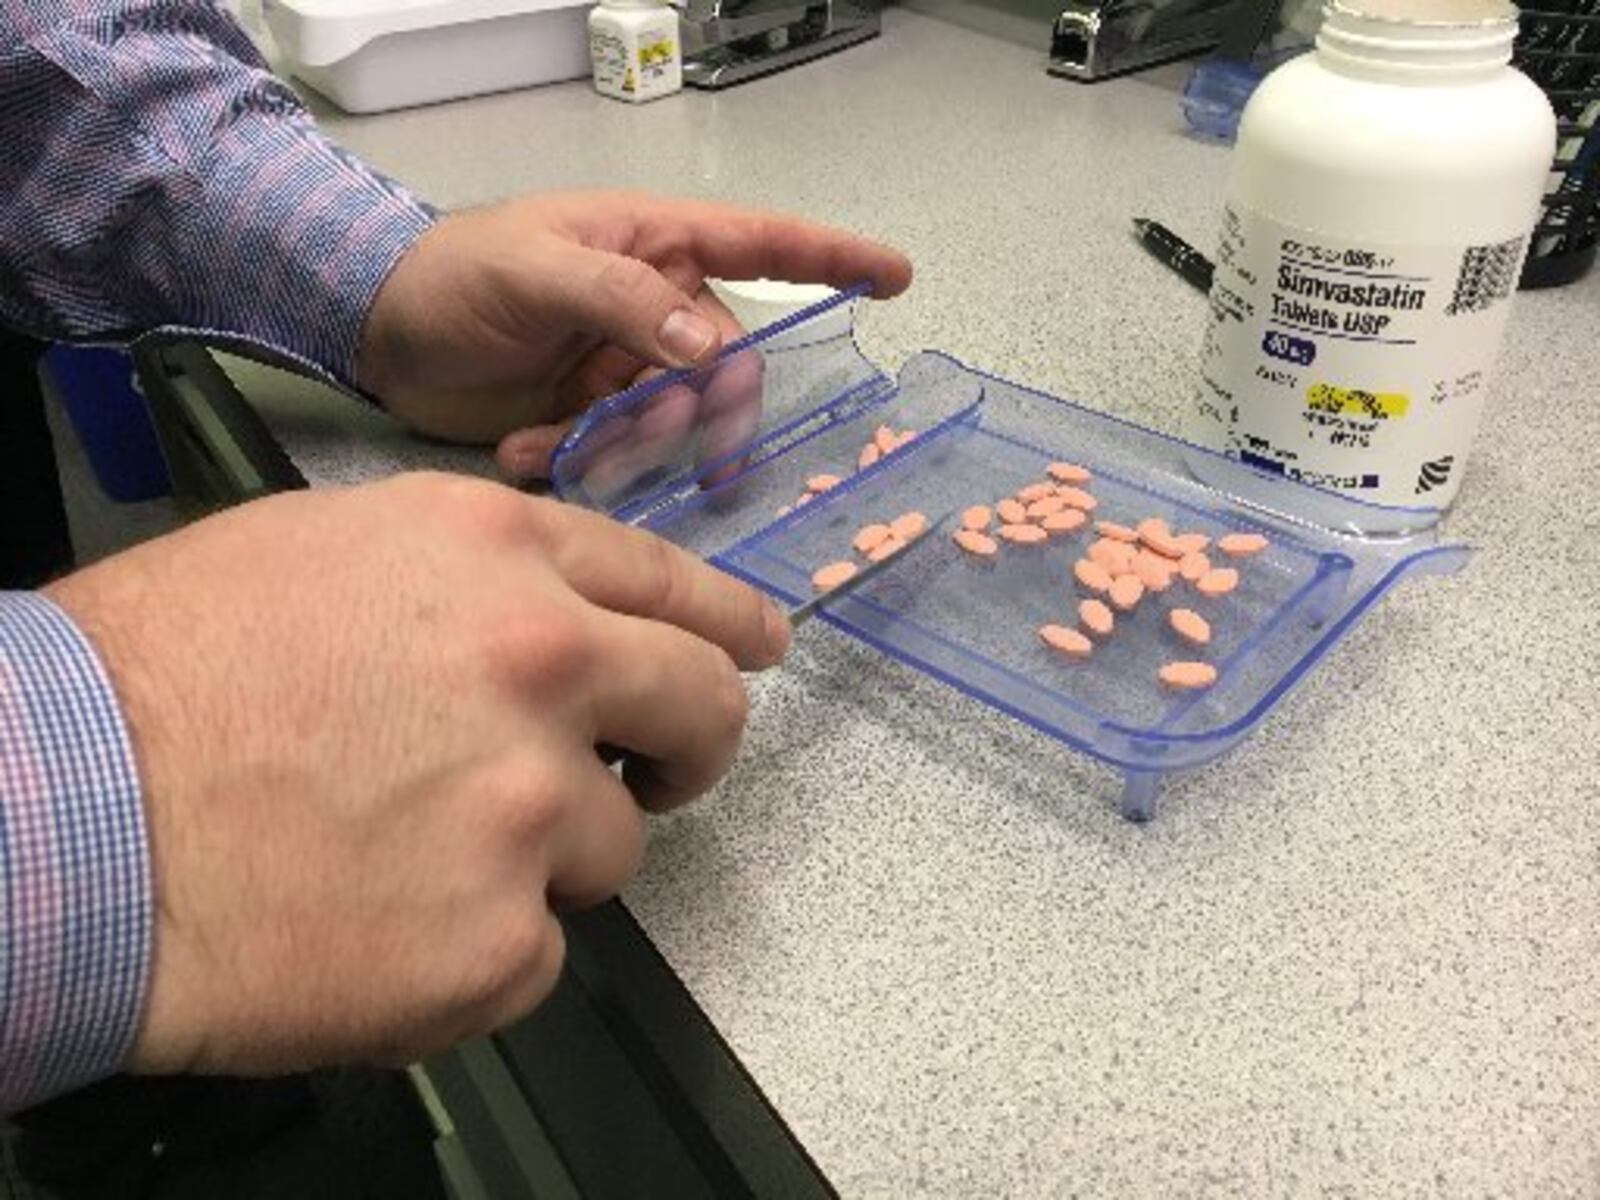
(708, 459)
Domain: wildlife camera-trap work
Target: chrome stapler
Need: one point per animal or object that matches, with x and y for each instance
(728, 41)
(1093, 39)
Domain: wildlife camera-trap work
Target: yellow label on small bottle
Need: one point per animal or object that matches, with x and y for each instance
(654, 52)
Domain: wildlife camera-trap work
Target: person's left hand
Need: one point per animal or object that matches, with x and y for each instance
(513, 319)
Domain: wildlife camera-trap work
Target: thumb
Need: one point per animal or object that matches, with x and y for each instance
(629, 303)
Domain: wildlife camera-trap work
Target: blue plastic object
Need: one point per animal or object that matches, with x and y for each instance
(708, 459)
(99, 390)
(1219, 88)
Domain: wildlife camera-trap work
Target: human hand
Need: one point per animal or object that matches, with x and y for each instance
(516, 317)
(366, 724)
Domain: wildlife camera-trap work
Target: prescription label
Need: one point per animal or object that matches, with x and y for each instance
(1358, 367)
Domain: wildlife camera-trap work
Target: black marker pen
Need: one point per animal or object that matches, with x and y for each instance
(1174, 252)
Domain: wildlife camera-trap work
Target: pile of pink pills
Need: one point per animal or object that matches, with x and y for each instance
(883, 441)
(1120, 567)
(874, 543)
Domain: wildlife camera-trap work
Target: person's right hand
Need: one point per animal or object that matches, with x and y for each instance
(366, 725)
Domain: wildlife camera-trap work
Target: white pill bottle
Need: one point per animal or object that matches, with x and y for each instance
(636, 49)
(1382, 196)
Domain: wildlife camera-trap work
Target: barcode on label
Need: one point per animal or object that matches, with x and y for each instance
(1488, 274)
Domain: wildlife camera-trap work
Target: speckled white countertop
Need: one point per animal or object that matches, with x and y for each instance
(1360, 956)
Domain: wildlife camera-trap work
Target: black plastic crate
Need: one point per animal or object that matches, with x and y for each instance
(1558, 47)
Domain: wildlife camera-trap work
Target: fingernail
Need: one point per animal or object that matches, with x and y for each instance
(686, 335)
(777, 629)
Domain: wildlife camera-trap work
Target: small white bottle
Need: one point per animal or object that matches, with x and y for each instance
(1382, 195)
(636, 49)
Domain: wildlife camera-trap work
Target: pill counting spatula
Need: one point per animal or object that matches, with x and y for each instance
(803, 613)
(798, 616)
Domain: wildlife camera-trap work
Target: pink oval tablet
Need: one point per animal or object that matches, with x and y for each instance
(1192, 543)
(1065, 521)
(1153, 527)
(1065, 472)
(1022, 534)
(869, 455)
(1162, 543)
(1116, 557)
(786, 510)
(977, 517)
(1069, 641)
(1011, 512)
(1096, 618)
(889, 545)
(1126, 592)
(1035, 491)
(1078, 498)
(885, 439)
(1190, 626)
(1045, 506)
(1117, 533)
(870, 538)
(1092, 575)
(821, 483)
(805, 498)
(1154, 571)
(1218, 582)
(977, 543)
(831, 576)
(1119, 557)
(1194, 567)
(906, 435)
(1188, 675)
(1241, 545)
(907, 525)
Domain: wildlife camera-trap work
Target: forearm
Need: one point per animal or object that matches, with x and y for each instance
(75, 899)
(154, 175)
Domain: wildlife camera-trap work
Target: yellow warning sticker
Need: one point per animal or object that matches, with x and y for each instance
(1385, 406)
(651, 53)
